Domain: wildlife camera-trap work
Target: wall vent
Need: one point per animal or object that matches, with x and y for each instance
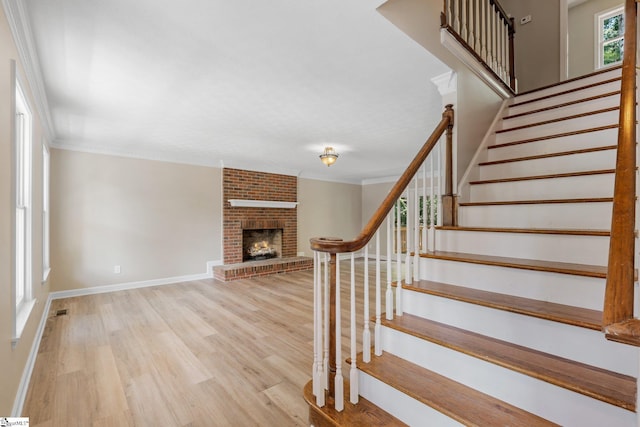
(62, 312)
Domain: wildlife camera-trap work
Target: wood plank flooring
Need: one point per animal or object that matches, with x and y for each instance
(201, 353)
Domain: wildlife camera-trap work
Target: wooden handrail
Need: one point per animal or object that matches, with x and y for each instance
(619, 293)
(333, 245)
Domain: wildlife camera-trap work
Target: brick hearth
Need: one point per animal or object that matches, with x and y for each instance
(251, 185)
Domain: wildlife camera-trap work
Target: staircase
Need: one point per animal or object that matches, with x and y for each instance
(504, 325)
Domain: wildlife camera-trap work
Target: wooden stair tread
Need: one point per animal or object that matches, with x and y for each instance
(567, 232)
(565, 92)
(554, 136)
(464, 404)
(535, 202)
(573, 79)
(564, 104)
(547, 176)
(607, 386)
(596, 271)
(576, 316)
(626, 332)
(547, 155)
(363, 414)
(560, 119)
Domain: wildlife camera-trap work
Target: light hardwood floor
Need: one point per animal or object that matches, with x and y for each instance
(201, 353)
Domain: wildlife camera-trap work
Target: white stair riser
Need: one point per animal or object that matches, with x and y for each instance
(543, 399)
(569, 110)
(600, 185)
(571, 342)
(581, 162)
(567, 143)
(570, 125)
(590, 215)
(547, 247)
(569, 86)
(403, 407)
(579, 291)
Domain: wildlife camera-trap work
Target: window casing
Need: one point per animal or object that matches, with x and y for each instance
(22, 289)
(46, 263)
(609, 37)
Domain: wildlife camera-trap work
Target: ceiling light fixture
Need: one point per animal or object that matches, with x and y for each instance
(329, 156)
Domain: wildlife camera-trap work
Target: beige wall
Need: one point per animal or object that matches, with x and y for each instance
(13, 360)
(582, 35)
(537, 43)
(372, 197)
(154, 219)
(327, 209)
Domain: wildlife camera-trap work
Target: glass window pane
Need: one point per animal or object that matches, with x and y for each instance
(613, 51)
(613, 27)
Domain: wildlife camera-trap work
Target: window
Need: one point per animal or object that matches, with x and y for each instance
(23, 299)
(610, 33)
(46, 264)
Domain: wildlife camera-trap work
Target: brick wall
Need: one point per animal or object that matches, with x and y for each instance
(250, 185)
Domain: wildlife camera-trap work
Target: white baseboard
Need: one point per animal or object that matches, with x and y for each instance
(23, 387)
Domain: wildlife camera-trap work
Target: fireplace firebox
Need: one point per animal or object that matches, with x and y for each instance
(261, 244)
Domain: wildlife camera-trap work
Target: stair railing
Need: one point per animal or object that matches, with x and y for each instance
(618, 321)
(486, 31)
(414, 203)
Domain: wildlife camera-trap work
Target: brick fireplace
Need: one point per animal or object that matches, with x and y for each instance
(256, 187)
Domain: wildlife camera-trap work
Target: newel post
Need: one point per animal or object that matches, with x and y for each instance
(449, 200)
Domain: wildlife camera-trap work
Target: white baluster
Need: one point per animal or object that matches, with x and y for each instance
(319, 378)
(471, 17)
(416, 229)
(505, 53)
(439, 190)
(314, 369)
(478, 26)
(353, 373)
(425, 229)
(490, 50)
(399, 263)
(494, 38)
(389, 294)
(483, 30)
(456, 23)
(464, 31)
(434, 154)
(409, 236)
(339, 381)
(366, 334)
(327, 289)
(378, 327)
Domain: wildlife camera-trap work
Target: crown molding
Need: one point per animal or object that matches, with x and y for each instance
(18, 19)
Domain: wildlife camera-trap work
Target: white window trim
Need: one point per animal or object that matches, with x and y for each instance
(22, 310)
(599, 18)
(46, 194)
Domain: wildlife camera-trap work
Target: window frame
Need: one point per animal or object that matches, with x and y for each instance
(23, 300)
(599, 44)
(46, 194)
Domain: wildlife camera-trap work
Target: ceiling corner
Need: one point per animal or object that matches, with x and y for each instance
(17, 17)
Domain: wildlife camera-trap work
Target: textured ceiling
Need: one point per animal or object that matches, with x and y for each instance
(250, 84)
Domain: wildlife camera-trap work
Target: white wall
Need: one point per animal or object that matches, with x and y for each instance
(153, 219)
(582, 35)
(13, 360)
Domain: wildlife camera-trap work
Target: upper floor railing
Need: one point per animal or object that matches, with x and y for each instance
(618, 317)
(487, 32)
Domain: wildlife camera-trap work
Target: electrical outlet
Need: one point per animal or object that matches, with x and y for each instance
(525, 19)
(116, 269)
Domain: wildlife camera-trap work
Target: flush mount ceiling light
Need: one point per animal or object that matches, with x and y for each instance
(329, 156)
